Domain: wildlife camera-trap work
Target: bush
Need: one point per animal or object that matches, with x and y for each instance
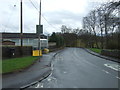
(112, 44)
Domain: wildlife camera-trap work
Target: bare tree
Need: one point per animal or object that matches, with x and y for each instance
(65, 29)
(108, 19)
(103, 20)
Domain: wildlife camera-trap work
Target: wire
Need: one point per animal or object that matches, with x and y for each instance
(33, 5)
(48, 22)
(42, 15)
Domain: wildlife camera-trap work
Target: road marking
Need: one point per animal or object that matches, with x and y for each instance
(49, 79)
(37, 85)
(117, 77)
(113, 66)
(110, 74)
(105, 71)
(41, 85)
(64, 72)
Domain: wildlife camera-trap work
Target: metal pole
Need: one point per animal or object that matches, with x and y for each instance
(21, 26)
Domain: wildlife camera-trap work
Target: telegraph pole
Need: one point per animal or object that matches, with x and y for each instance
(39, 42)
(40, 14)
(21, 24)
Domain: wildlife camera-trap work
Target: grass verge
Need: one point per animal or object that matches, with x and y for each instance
(96, 50)
(15, 64)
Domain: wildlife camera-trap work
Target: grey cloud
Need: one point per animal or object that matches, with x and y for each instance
(57, 22)
(10, 16)
(59, 17)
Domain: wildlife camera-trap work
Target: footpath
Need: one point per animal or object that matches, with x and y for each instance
(37, 72)
(101, 56)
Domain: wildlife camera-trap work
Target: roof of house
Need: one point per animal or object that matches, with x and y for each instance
(25, 35)
(8, 41)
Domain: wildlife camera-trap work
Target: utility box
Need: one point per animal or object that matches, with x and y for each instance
(37, 53)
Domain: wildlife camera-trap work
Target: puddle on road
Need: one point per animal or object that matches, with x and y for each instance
(115, 67)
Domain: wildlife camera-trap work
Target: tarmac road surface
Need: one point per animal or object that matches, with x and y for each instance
(76, 68)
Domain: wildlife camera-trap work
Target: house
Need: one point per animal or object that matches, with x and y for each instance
(29, 39)
(8, 43)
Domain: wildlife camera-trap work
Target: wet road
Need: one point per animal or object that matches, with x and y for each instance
(75, 68)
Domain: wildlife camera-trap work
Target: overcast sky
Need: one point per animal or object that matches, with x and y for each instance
(56, 12)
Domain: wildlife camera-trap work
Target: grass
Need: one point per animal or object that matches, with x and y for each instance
(96, 50)
(15, 64)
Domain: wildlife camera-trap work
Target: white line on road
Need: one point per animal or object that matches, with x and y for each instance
(64, 72)
(106, 71)
(111, 74)
(49, 79)
(117, 77)
(113, 66)
(41, 85)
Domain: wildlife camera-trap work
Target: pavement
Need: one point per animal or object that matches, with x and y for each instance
(38, 71)
(76, 68)
(102, 56)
